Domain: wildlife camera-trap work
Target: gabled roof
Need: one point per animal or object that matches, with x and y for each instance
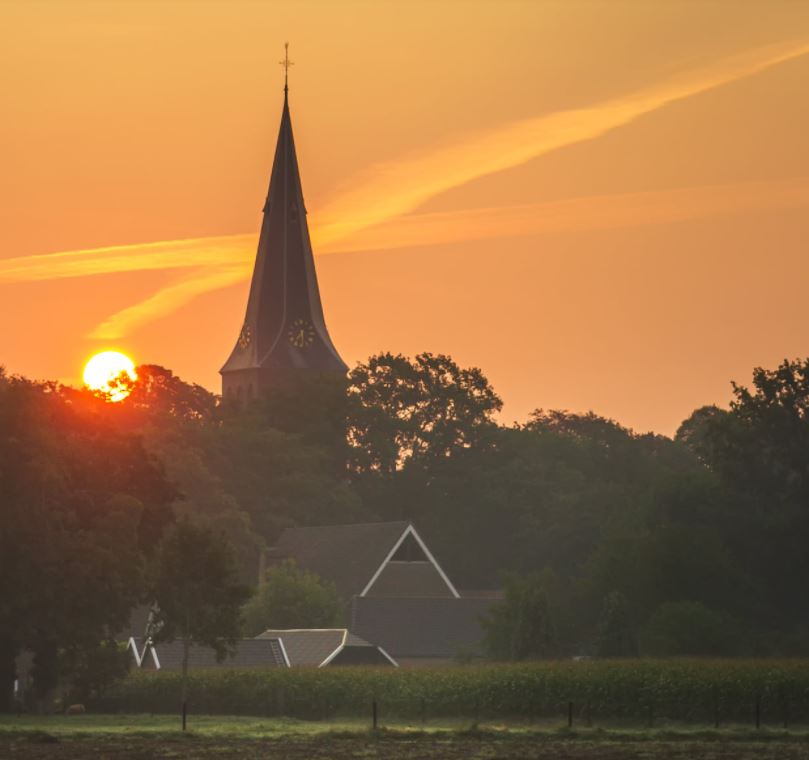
(350, 556)
(316, 647)
(307, 646)
(421, 626)
(345, 555)
(249, 653)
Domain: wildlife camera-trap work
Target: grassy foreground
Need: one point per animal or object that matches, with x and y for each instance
(145, 736)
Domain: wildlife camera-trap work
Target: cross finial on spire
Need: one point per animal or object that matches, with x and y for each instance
(286, 63)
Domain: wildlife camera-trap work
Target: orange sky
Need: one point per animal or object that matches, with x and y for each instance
(605, 205)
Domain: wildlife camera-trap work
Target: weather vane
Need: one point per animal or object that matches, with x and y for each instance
(286, 63)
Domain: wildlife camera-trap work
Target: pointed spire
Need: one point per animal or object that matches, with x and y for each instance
(284, 328)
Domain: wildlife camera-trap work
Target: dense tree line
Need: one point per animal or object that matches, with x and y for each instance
(82, 505)
(621, 542)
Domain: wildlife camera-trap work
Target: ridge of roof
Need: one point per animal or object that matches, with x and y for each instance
(278, 631)
(386, 523)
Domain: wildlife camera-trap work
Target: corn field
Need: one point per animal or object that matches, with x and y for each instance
(699, 691)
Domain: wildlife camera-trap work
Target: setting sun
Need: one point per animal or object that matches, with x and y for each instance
(101, 372)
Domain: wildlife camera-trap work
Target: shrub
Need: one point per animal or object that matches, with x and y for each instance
(89, 672)
(688, 629)
(520, 627)
(616, 636)
(291, 597)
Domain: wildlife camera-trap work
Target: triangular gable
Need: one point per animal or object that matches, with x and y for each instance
(409, 551)
(409, 534)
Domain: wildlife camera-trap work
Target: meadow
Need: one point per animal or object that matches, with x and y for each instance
(147, 736)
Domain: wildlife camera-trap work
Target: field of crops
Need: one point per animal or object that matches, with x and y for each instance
(708, 692)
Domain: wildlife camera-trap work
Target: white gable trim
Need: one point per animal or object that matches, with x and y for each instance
(135, 653)
(435, 563)
(410, 531)
(343, 646)
(283, 650)
(390, 659)
(336, 651)
(148, 646)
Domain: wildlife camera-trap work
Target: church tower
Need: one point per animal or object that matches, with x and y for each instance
(284, 331)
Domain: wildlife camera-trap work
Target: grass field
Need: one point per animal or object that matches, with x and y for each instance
(147, 736)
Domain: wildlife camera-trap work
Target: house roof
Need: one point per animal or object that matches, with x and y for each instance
(249, 653)
(316, 647)
(421, 626)
(346, 555)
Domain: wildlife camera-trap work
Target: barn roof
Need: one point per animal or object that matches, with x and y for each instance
(249, 653)
(346, 555)
(316, 647)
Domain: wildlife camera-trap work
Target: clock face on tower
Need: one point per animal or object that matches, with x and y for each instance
(301, 333)
(244, 337)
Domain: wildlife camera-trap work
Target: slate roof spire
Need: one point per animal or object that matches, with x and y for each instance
(284, 328)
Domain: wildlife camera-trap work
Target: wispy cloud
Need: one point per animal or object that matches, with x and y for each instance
(579, 214)
(375, 211)
(388, 190)
(166, 300)
(234, 259)
(163, 255)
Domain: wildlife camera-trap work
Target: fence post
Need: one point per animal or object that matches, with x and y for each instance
(423, 710)
(373, 712)
(570, 715)
(715, 708)
(651, 715)
(758, 710)
(587, 716)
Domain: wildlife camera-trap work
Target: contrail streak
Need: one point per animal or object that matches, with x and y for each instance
(388, 190)
(580, 214)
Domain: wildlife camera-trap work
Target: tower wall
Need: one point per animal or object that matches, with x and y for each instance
(241, 386)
